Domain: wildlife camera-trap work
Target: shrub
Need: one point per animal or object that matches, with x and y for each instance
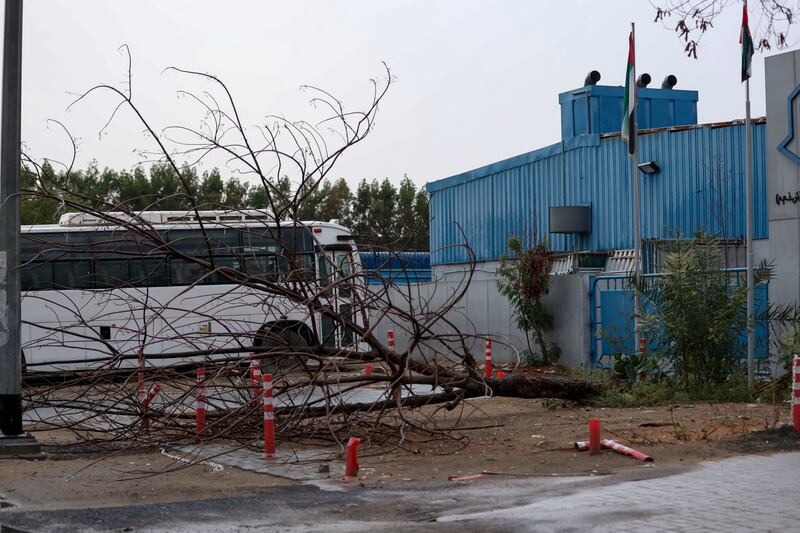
(525, 281)
(697, 315)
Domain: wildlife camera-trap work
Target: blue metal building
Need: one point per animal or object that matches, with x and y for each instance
(577, 194)
(699, 184)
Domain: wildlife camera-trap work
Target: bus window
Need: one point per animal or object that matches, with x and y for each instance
(149, 272)
(72, 268)
(344, 266)
(223, 244)
(296, 266)
(347, 333)
(226, 261)
(183, 272)
(260, 254)
(72, 274)
(110, 273)
(41, 246)
(36, 276)
(328, 332)
(262, 266)
(293, 238)
(324, 269)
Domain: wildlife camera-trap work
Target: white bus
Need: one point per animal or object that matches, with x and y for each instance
(92, 291)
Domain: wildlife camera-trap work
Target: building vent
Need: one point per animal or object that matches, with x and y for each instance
(571, 219)
(563, 264)
(620, 261)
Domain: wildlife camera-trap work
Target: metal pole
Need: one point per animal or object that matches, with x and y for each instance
(637, 234)
(10, 351)
(751, 333)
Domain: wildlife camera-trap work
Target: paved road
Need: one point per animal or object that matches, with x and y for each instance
(741, 494)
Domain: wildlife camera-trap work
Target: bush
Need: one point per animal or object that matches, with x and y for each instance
(697, 316)
(525, 281)
(620, 393)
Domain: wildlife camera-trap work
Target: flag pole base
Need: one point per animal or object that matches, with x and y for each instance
(20, 447)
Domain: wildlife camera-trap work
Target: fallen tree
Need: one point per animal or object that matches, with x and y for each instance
(208, 322)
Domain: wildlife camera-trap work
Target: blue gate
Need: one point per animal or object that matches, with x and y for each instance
(612, 324)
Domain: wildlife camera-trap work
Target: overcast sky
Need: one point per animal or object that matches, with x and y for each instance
(477, 81)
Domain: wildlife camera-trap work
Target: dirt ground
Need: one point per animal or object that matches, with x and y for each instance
(499, 437)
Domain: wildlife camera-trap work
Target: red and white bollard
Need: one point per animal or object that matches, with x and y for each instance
(351, 459)
(140, 376)
(269, 418)
(390, 344)
(796, 392)
(368, 373)
(255, 380)
(154, 390)
(625, 450)
(488, 364)
(200, 405)
(583, 445)
(594, 436)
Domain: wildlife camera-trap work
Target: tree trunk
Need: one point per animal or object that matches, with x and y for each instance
(513, 387)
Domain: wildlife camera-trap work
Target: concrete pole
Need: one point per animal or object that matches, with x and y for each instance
(10, 350)
(751, 333)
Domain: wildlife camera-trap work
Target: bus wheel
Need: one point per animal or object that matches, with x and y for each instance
(282, 346)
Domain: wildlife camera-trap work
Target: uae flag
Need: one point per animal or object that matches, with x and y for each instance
(747, 47)
(629, 105)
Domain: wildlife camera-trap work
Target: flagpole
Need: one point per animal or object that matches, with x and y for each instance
(746, 40)
(751, 334)
(637, 235)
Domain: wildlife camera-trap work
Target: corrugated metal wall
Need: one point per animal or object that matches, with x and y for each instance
(700, 186)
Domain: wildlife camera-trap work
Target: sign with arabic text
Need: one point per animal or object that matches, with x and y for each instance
(783, 199)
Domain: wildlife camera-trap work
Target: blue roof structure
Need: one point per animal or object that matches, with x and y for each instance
(598, 109)
(700, 186)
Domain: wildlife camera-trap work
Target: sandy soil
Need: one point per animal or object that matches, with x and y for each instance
(58, 482)
(504, 436)
(528, 438)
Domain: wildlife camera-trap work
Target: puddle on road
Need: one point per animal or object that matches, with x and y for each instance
(298, 465)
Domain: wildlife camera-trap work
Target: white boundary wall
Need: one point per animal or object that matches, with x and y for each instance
(484, 311)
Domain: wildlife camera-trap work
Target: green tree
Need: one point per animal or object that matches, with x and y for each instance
(422, 240)
(524, 278)
(212, 190)
(697, 313)
(382, 213)
(36, 208)
(336, 202)
(133, 190)
(310, 200)
(235, 193)
(173, 192)
(362, 203)
(405, 218)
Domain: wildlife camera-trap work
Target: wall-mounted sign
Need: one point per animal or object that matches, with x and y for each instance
(783, 199)
(783, 147)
